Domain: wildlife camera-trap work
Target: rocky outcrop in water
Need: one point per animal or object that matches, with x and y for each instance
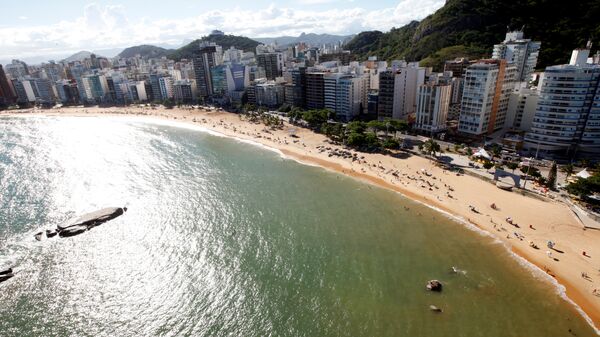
(6, 274)
(434, 285)
(83, 223)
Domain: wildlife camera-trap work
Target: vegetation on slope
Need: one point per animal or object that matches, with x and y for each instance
(145, 51)
(225, 41)
(479, 24)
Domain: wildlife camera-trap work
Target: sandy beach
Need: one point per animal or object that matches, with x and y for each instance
(533, 219)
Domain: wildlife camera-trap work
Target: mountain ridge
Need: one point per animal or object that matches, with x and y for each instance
(145, 51)
(310, 38)
(79, 56)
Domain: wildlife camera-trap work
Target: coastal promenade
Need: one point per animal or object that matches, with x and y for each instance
(535, 221)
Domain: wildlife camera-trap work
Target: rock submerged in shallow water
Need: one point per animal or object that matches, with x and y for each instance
(434, 285)
(5, 277)
(435, 309)
(6, 274)
(72, 231)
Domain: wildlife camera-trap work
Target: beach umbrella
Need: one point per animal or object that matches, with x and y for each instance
(482, 153)
(583, 174)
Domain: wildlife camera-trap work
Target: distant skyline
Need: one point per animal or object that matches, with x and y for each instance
(54, 30)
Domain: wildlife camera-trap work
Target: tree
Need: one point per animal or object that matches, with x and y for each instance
(551, 181)
(356, 139)
(530, 170)
(469, 151)
(431, 147)
(356, 126)
(496, 151)
(295, 114)
(391, 143)
(512, 165)
(248, 107)
(585, 187)
(397, 125)
(585, 163)
(488, 165)
(315, 118)
(372, 142)
(168, 103)
(542, 181)
(377, 126)
(285, 108)
(568, 169)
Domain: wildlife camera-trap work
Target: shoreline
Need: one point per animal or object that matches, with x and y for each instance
(552, 221)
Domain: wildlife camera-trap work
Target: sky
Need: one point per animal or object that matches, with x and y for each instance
(54, 29)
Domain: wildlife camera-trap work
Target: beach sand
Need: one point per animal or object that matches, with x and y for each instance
(419, 179)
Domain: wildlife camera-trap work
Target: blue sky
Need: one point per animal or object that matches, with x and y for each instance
(56, 28)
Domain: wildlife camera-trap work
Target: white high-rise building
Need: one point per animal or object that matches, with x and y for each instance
(433, 103)
(330, 82)
(567, 117)
(401, 85)
(350, 94)
(521, 109)
(487, 88)
(521, 52)
(232, 55)
(166, 87)
(269, 94)
(140, 91)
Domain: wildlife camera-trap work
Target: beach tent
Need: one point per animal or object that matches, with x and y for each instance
(583, 174)
(482, 154)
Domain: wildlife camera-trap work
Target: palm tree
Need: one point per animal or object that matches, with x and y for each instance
(496, 151)
(568, 169)
(431, 147)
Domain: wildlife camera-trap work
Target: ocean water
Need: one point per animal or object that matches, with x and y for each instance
(224, 238)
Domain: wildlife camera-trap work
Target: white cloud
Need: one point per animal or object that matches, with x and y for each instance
(104, 27)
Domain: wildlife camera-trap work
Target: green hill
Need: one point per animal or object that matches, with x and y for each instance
(472, 27)
(145, 51)
(225, 41)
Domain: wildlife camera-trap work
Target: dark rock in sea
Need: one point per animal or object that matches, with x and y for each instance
(5, 277)
(94, 218)
(7, 271)
(50, 233)
(38, 236)
(434, 285)
(72, 231)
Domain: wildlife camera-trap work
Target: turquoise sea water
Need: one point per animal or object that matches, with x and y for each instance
(224, 238)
